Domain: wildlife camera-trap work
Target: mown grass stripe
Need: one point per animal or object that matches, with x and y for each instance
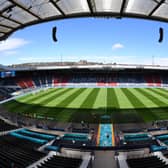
(56, 100)
(75, 104)
(31, 95)
(13, 104)
(151, 97)
(157, 96)
(39, 95)
(39, 107)
(128, 112)
(90, 99)
(156, 91)
(43, 102)
(147, 102)
(63, 105)
(67, 100)
(39, 102)
(82, 106)
(42, 110)
(140, 108)
(124, 103)
(112, 101)
(161, 98)
(48, 96)
(63, 91)
(162, 90)
(100, 102)
(132, 98)
(86, 112)
(26, 97)
(113, 106)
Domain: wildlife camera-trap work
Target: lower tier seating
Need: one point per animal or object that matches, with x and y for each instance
(17, 153)
(165, 153)
(117, 79)
(146, 162)
(61, 162)
(138, 140)
(5, 126)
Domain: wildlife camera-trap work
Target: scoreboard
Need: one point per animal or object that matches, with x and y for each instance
(6, 74)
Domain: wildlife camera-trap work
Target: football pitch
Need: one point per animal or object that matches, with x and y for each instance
(94, 105)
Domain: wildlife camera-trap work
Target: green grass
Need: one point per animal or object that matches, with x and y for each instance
(122, 105)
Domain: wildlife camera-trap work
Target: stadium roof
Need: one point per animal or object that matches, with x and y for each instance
(17, 14)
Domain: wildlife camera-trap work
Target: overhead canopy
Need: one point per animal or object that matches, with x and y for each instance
(17, 14)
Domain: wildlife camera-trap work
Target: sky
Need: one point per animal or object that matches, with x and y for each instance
(122, 41)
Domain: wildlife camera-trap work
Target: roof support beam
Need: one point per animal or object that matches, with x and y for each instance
(7, 8)
(8, 27)
(4, 37)
(156, 7)
(8, 18)
(58, 8)
(24, 8)
(91, 7)
(2, 32)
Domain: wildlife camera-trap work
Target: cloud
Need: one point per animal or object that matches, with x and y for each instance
(12, 44)
(11, 52)
(117, 46)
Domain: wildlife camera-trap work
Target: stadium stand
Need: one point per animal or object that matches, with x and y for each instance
(74, 140)
(151, 161)
(17, 152)
(33, 136)
(29, 80)
(163, 138)
(140, 139)
(18, 148)
(6, 92)
(61, 162)
(6, 127)
(149, 80)
(96, 78)
(165, 153)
